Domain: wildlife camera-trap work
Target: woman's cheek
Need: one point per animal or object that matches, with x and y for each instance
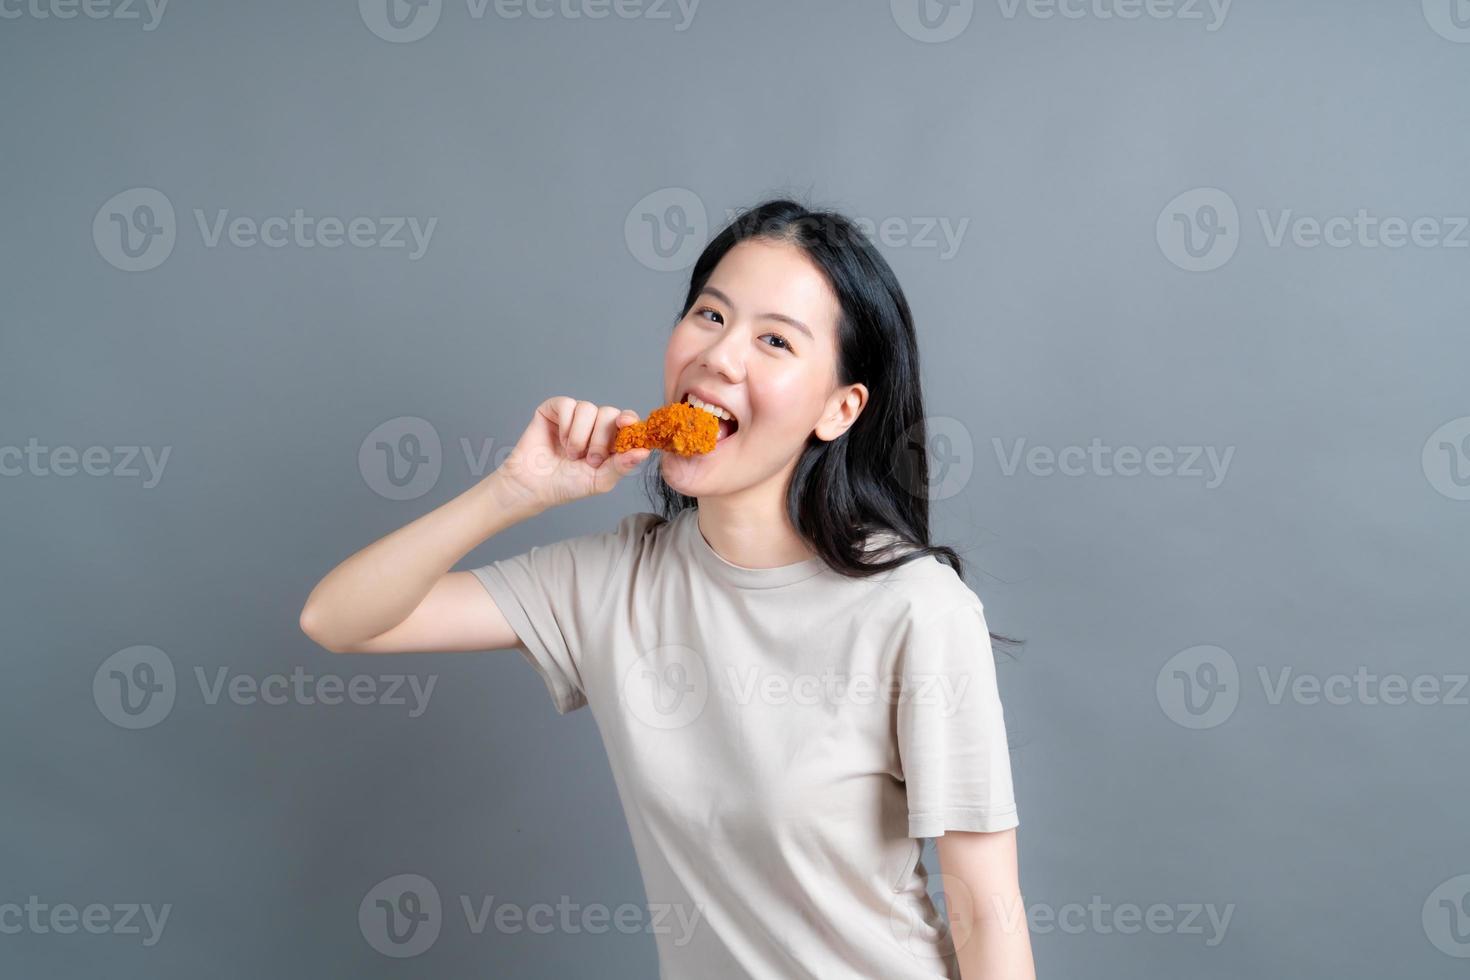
(784, 432)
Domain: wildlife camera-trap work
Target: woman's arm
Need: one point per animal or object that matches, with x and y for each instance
(397, 595)
(987, 912)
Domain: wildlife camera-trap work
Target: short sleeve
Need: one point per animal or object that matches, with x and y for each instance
(552, 596)
(950, 726)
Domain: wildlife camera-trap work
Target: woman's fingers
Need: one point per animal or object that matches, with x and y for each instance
(584, 417)
(562, 408)
(586, 430)
(603, 432)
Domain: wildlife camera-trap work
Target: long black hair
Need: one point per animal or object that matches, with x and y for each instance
(875, 476)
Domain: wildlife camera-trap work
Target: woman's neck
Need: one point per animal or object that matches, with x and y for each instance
(751, 529)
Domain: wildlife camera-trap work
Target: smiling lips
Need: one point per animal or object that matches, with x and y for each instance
(678, 428)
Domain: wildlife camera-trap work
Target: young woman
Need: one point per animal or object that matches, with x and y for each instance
(793, 685)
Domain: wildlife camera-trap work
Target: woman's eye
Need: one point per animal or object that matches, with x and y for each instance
(781, 342)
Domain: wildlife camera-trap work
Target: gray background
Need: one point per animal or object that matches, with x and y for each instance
(1335, 833)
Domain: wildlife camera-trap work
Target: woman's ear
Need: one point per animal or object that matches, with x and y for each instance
(843, 408)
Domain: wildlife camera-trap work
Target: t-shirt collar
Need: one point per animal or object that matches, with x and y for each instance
(738, 575)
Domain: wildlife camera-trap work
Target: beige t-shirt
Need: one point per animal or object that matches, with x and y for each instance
(781, 739)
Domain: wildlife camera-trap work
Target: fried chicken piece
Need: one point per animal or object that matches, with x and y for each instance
(677, 428)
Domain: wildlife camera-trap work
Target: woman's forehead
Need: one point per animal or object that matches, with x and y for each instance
(758, 277)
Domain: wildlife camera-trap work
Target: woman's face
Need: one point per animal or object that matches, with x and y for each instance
(760, 341)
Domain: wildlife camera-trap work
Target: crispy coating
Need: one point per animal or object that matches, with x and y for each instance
(676, 428)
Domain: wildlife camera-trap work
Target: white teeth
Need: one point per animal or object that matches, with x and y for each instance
(714, 410)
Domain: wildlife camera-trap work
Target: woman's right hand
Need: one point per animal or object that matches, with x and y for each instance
(566, 452)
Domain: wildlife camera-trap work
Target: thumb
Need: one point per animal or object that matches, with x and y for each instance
(619, 466)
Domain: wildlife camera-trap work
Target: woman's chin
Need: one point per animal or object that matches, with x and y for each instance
(699, 475)
(686, 474)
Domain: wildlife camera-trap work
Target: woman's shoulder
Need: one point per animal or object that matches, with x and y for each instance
(641, 532)
(923, 585)
(640, 523)
(632, 534)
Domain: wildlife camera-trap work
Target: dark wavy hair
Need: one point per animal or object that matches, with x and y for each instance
(875, 476)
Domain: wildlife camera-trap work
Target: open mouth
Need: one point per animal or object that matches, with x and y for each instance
(729, 424)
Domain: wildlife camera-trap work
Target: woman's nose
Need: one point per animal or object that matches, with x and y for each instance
(724, 356)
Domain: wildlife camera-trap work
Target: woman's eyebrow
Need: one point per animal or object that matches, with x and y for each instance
(764, 316)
